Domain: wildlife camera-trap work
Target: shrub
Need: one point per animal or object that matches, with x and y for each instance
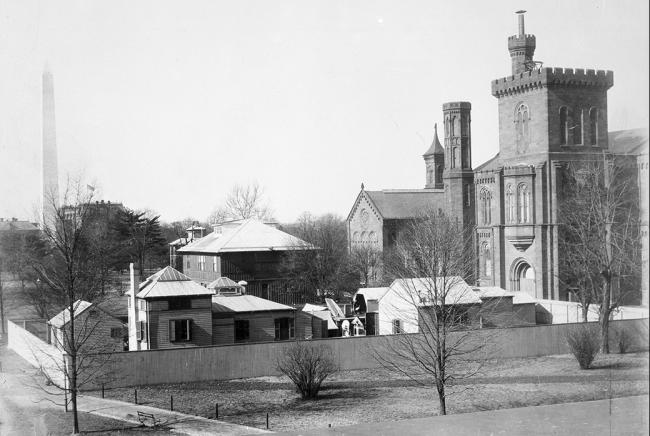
(307, 366)
(584, 342)
(624, 339)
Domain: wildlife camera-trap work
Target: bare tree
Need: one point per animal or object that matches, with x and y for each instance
(366, 261)
(320, 263)
(600, 236)
(242, 202)
(71, 270)
(433, 307)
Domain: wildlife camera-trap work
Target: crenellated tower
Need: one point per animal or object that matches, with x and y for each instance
(434, 161)
(522, 48)
(458, 176)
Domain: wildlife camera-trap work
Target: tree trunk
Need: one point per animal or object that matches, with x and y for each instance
(585, 312)
(73, 394)
(2, 308)
(605, 311)
(442, 399)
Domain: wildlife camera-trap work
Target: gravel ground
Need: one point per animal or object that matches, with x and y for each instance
(351, 397)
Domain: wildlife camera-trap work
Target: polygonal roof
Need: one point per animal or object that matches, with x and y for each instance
(436, 147)
(249, 235)
(169, 282)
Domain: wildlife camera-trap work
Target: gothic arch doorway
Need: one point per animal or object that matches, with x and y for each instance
(523, 277)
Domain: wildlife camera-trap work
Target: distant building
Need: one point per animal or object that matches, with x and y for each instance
(548, 118)
(16, 225)
(194, 232)
(244, 250)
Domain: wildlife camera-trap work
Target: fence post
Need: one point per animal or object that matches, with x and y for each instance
(171, 403)
(216, 411)
(135, 394)
(102, 390)
(267, 420)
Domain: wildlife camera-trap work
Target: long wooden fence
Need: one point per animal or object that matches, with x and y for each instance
(253, 360)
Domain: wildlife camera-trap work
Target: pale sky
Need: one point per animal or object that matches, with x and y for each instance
(166, 104)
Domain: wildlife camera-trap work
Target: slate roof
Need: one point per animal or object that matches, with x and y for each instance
(244, 303)
(490, 164)
(249, 235)
(169, 282)
(403, 204)
(63, 317)
(632, 141)
(436, 147)
(457, 292)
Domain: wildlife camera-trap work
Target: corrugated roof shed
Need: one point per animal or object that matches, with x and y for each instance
(244, 303)
(402, 204)
(169, 282)
(249, 235)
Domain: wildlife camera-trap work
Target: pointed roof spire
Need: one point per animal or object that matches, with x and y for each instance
(436, 147)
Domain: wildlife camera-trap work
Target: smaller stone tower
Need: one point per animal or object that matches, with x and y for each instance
(522, 48)
(434, 161)
(458, 176)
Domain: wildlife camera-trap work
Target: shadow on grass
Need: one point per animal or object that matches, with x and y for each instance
(615, 365)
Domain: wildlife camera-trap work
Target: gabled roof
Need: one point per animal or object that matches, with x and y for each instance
(63, 317)
(169, 282)
(436, 147)
(490, 164)
(405, 204)
(244, 303)
(249, 235)
(420, 290)
(631, 141)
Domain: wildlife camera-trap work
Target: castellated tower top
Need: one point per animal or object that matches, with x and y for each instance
(522, 48)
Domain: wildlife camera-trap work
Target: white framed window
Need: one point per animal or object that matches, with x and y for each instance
(215, 265)
(201, 263)
(524, 203)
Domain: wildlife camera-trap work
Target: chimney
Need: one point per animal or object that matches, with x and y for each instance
(134, 344)
(520, 15)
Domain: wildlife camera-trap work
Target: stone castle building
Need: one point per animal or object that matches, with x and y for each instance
(548, 117)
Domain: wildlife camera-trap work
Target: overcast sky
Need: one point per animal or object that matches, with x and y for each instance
(166, 104)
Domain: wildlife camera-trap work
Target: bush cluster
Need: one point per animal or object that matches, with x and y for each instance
(584, 342)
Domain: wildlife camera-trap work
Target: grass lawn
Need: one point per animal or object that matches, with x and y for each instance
(352, 397)
(56, 423)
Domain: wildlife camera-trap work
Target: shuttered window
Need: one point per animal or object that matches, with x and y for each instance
(180, 330)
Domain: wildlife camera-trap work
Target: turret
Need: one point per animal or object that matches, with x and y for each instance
(434, 160)
(458, 143)
(522, 48)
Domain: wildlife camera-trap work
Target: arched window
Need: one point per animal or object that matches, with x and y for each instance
(577, 127)
(510, 205)
(524, 203)
(363, 239)
(593, 126)
(452, 125)
(372, 237)
(355, 237)
(456, 131)
(485, 198)
(522, 121)
(563, 125)
(429, 175)
(486, 260)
